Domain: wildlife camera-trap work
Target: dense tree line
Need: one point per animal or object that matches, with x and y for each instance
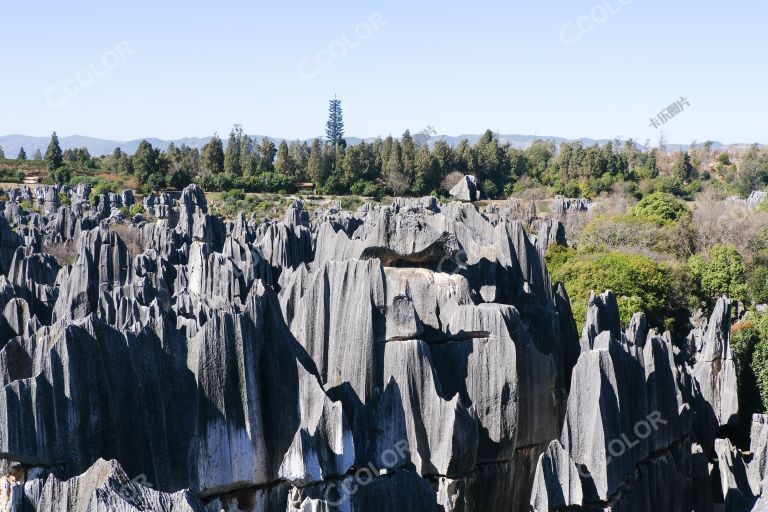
(408, 166)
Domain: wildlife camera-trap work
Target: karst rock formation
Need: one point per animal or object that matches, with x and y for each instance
(411, 357)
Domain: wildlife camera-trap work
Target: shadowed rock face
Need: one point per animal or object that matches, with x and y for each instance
(405, 357)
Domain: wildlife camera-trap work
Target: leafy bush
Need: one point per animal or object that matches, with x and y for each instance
(27, 206)
(103, 186)
(90, 181)
(350, 203)
(136, 209)
(615, 231)
(236, 194)
(11, 174)
(62, 175)
(661, 208)
(638, 282)
(749, 344)
(757, 284)
(366, 188)
(490, 189)
(628, 232)
(721, 273)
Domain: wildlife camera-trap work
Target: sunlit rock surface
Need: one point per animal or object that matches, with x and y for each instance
(414, 356)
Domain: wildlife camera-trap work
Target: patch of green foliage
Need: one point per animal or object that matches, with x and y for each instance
(749, 344)
(721, 272)
(660, 208)
(640, 284)
(11, 174)
(103, 186)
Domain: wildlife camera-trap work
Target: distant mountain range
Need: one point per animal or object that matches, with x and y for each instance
(12, 143)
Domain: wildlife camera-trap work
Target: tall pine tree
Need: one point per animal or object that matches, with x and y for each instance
(316, 164)
(394, 171)
(283, 164)
(334, 129)
(233, 155)
(53, 155)
(22, 154)
(213, 156)
(248, 161)
(268, 151)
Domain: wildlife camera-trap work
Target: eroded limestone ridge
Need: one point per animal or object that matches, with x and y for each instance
(406, 357)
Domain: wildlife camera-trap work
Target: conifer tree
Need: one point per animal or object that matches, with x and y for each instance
(213, 156)
(232, 156)
(53, 155)
(334, 129)
(248, 161)
(316, 164)
(283, 164)
(268, 150)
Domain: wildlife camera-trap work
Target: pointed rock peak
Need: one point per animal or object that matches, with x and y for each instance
(193, 197)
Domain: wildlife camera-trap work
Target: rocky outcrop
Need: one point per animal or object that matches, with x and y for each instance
(104, 486)
(557, 484)
(412, 356)
(465, 189)
(715, 373)
(562, 205)
(756, 198)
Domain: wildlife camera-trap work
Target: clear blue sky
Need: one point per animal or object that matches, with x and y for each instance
(191, 68)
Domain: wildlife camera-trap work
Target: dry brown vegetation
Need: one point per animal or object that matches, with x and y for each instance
(451, 180)
(65, 252)
(131, 236)
(721, 222)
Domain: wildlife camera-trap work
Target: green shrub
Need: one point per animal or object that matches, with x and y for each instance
(757, 284)
(136, 209)
(661, 208)
(103, 186)
(11, 174)
(350, 203)
(62, 175)
(490, 189)
(236, 194)
(640, 284)
(759, 363)
(366, 188)
(749, 344)
(265, 182)
(91, 181)
(721, 272)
